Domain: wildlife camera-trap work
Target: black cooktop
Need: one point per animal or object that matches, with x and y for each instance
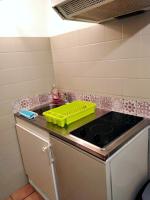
(107, 128)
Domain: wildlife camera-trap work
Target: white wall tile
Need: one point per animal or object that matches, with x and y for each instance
(6, 121)
(121, 68)
(98, 85)
(17, 75)
(145, 46)
(91, 36)
(138, 88)
(10, 163)
(60, 41)
(26, 88)
(6, 108)
(116, 52)
(24, 59)
(25, 70)
(23, 44)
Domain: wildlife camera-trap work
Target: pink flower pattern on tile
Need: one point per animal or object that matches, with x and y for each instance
(23, 102)
(106, 103)
(143, 109)
(35, 101)
(44, 98)
(129, 106)
(147, 109)
(31, 102)
(117, 104)
(71, 96)
(89, 97)
(86, 97)
(26, 102)
(96, 100)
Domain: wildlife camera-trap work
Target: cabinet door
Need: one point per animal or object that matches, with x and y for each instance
(80, 176)
(37, 163)
(129, 168)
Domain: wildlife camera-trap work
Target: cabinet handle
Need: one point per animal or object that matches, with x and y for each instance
(44, 149)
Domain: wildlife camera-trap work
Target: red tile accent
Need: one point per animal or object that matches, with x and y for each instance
(22, 193)
(34, 196)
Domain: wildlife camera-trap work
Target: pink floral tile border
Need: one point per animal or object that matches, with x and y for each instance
(119, 104)
(143, 109)
(31, 102)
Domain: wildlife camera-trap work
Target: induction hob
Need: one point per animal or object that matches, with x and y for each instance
(107, 128)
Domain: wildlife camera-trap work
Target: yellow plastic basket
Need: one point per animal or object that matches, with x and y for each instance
(69, 113)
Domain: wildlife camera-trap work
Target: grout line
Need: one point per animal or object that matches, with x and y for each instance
(23, 198)
(29, 195)
(10, 68)
(30, 51)
(89, 44)
(24, 81)
(102, 60)
(95, 43)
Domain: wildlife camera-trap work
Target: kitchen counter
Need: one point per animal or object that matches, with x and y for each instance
(64, 134)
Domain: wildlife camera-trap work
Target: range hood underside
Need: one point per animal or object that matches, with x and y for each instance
(99, 10)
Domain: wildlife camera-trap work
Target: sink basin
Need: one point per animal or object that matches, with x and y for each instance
(45, 108)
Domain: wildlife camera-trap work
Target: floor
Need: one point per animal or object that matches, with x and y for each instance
(25, 193)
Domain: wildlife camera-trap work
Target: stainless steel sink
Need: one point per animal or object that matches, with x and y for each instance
(45, 108)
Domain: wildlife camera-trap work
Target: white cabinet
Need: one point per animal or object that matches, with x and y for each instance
(37, 160)
(129, 167)
(82, 176)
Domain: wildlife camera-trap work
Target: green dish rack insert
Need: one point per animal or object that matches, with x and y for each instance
(70, 112)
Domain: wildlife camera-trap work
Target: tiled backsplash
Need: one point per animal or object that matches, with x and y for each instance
(31, 102)
(112, 103)
(124, 105)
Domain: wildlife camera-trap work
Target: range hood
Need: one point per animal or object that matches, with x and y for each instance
(98, 10)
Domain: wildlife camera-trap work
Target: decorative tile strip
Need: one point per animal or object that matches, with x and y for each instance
(119, 104)
(125, 105)
(31, 102)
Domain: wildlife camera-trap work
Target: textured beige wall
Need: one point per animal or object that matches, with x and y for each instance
(25, 69)
(109, 59)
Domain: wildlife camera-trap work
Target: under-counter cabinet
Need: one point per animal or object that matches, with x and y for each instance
(129, 167)
(79, 174)
(83, 176)
(37, 159)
